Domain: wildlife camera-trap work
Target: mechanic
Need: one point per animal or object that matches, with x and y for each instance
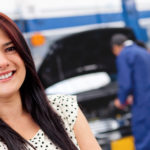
(133, 66)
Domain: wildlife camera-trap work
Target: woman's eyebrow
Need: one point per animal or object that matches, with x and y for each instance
(8, 43)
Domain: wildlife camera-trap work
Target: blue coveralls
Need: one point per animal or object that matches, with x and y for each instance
(133, 64)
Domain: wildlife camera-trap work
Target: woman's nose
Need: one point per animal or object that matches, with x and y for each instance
(4, 62)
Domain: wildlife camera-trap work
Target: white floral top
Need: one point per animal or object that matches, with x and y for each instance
(67, 108)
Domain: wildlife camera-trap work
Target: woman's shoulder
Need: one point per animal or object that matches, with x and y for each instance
(60, 97)
(66, 106)
(63, 101)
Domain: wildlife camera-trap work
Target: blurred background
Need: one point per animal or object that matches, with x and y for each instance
(70, 44)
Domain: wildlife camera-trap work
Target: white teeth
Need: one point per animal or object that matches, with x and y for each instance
(6, 76)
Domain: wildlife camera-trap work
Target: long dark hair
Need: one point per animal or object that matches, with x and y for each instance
(33, 98)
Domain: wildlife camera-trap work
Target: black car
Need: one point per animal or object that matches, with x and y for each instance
(69, 63)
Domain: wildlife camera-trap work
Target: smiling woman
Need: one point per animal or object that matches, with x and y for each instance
(28, 118)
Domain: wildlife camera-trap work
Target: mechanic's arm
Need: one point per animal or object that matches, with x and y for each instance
(124, 79)
(84, 135)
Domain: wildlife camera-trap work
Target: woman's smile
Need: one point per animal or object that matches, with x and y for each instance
(6, 76)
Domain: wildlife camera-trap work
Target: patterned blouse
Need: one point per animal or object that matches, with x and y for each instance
(67, 108)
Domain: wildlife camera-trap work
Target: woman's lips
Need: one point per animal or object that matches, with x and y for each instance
(6, 76)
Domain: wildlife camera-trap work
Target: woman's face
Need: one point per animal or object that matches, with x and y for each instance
(12, 68)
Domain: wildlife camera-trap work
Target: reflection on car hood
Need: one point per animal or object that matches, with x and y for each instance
(80, 84)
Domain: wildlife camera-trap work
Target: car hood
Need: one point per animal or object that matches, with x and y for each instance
(79, 54)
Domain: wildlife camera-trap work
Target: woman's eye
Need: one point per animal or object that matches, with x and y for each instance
(9, 49)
